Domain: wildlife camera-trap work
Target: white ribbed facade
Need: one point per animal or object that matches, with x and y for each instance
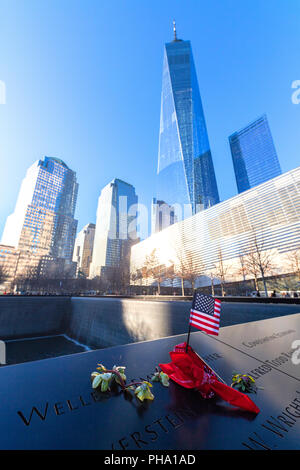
(270, 212)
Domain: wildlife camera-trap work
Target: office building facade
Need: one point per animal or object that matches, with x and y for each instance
(43, 224)
(185, 173)
(116, 227)
(254, 155)
(9, 260)
(83, 250)
(162, 215)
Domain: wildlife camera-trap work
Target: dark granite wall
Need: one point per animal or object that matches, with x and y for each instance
(102, 322)
(24, 317)
(109, 322)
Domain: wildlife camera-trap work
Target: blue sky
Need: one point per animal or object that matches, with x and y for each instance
(83, 83)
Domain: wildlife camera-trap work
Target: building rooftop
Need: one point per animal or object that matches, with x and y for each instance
(58, 160)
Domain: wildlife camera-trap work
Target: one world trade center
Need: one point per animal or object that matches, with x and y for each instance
(185, 170)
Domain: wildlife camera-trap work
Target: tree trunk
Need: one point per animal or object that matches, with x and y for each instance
(222, 289)
(182, 287)
(255, 282)
(265, 285)
(212, 287)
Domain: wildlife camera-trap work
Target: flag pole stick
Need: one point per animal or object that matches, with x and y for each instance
(217, 375)
(201, 358)
(188, 338)
(186, 350)
(189, 332)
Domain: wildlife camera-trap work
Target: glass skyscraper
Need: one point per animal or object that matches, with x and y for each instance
(185, 169)
(253, 154)
(83, 249)
(162, 215)
(42, 224)
(116, 227)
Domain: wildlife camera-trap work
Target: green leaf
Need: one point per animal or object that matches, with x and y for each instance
(97, 381)
(164, 378)
(104, 385)
(155, 377)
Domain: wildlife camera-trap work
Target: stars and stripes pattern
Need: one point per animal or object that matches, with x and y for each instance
(205, 313)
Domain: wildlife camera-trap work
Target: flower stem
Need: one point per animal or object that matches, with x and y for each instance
(122, 383)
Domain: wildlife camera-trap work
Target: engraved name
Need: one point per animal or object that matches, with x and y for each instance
(277, 426)
(155, 430)
(258, 341)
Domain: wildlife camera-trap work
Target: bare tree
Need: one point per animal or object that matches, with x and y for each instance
(124, 272)
(4, 275)
(145, 271)
(152, 269)
(251, 267)
(112, 279)
(293, 262)
(259, 261)
(187, 268)
(242, 269)
(180, 270)
(27, 280)
(97, 284)
(211, 275)
(170, 274)
(136, 276)
(118, 277)
(221, 270)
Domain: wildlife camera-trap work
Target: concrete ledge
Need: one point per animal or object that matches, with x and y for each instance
(179, 298)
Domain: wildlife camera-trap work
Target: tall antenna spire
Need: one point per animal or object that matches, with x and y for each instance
(174, 29)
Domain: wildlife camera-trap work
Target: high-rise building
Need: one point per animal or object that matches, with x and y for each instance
(185, 170)
(116, 227)
(83, 249)
(9, 260)
(253, 154)
(162, 215)
(42, 224)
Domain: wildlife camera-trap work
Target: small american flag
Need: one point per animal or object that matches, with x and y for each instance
(205, 313)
